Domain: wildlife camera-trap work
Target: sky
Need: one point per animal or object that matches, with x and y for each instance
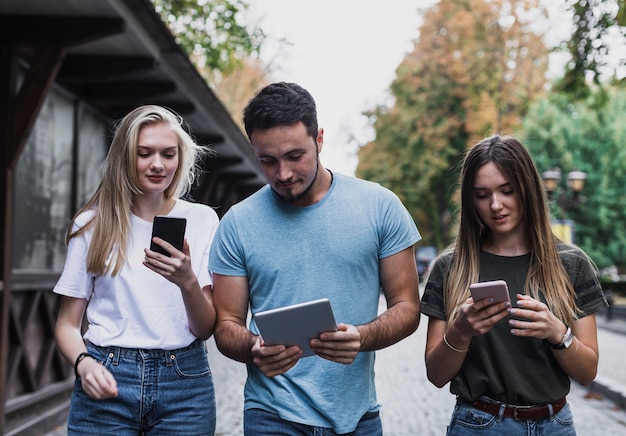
(345, 53)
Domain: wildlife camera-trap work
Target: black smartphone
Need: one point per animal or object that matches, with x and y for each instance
(170, 229)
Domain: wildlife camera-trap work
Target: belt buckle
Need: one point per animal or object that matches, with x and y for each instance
(517, 408)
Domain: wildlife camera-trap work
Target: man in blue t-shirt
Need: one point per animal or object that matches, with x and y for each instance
(311, 234)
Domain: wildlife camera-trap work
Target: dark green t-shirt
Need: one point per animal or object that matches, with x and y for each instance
(504, 367)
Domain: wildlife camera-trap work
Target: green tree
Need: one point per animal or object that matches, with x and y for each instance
(223, 49)
(589, 45)
(472, 72)
(211, 32)
(578, 135)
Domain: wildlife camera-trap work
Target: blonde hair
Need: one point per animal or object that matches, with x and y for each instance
(119, 187)
(546, 273)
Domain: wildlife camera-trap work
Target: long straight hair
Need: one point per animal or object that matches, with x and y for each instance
(113, 200)
(546, 274)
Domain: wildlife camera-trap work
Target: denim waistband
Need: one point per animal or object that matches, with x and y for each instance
(116, 353)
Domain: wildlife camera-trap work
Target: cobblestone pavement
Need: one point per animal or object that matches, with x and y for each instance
(412, 406)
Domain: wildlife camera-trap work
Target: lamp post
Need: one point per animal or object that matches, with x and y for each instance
(563, 227)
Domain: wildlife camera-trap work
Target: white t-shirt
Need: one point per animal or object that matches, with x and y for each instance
(138, 308)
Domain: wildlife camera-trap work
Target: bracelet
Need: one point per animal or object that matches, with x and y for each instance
(79, 359)
(571, 356)
(451, 347)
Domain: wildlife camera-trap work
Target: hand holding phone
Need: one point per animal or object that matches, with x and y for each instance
(170, 229)
(496, 289)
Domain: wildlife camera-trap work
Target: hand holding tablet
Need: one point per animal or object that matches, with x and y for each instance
(296, 324)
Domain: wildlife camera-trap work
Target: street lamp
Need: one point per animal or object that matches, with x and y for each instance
(575, 183)
(551, 179)
(563, 227)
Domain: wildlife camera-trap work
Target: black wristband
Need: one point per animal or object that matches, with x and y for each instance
(79, 359)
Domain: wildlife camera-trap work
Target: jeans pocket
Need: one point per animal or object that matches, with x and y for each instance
(470, 418)
(102, 355)
(565, 416)
(192, 364)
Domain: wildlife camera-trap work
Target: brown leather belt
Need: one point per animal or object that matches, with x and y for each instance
(519, 413)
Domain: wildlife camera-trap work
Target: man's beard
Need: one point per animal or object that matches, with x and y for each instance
(297, 197)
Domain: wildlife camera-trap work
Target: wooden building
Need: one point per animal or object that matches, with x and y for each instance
(68, 70)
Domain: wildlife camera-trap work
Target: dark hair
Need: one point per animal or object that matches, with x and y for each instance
(516, 164)
(281, 104)
(546, 273)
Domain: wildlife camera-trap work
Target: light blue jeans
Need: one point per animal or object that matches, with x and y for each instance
(469, 421)
(160, 392)
(257, 422)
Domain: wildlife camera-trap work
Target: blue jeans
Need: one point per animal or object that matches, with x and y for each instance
(159, 392)
(257, 422)
(469, 421)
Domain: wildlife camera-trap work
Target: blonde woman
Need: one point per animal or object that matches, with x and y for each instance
(510, 364)
(141, 365)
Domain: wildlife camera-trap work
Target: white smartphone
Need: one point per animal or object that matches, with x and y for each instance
(496, 289)
(170, 229)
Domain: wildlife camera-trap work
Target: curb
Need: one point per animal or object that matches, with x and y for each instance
(610, 390)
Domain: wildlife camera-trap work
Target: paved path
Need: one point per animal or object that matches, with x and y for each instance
(413, 406)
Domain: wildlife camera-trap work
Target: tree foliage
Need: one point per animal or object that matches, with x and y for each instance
(472, 73)
(210, 32)
(578, 135)
(589, 45)
(222, 48)
(236, 88)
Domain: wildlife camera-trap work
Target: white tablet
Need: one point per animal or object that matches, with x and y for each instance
(296, 324)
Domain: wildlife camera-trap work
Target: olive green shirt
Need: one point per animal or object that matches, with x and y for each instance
(499, 365)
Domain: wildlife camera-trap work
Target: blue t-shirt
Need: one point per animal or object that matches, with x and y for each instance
(295, 254)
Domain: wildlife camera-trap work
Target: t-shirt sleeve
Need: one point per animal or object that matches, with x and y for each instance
(432, 303)
(226, 256)
(75, 281)
(400, 230)
(205, 278)
(589, 295)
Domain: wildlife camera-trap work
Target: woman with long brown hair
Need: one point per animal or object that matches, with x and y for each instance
(510, 363)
